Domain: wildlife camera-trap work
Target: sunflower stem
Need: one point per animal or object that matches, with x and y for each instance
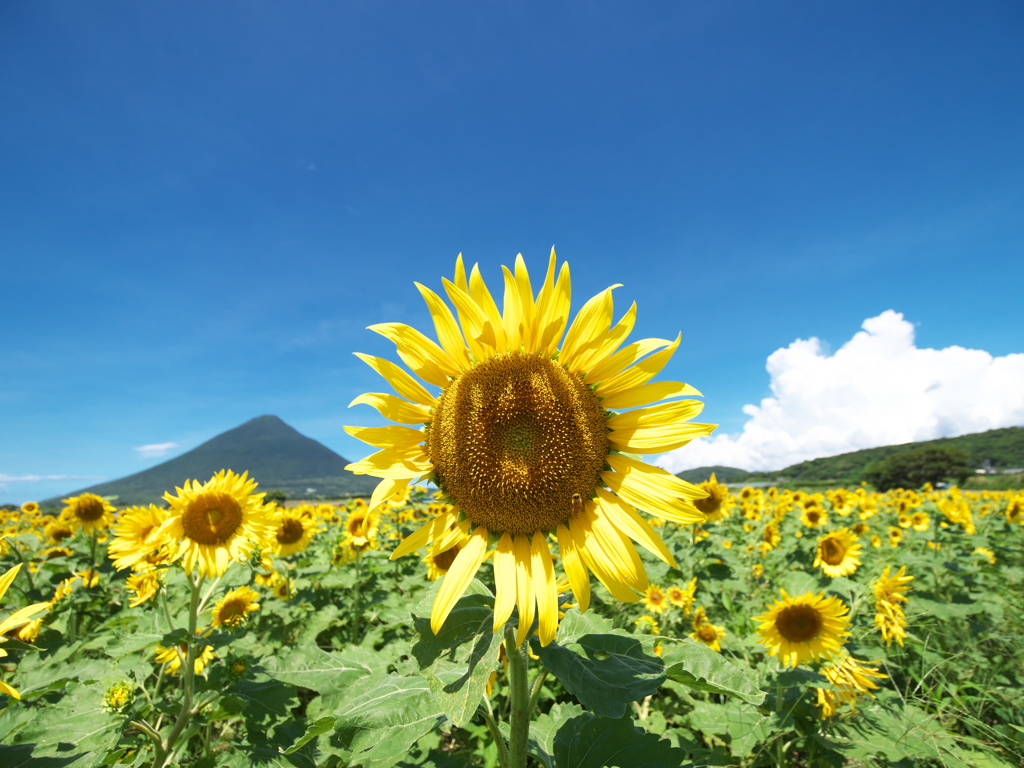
(166, 750)
(492, 727)
(519, 699)
(780, 756)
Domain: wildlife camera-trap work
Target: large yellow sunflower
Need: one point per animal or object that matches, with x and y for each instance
(838, 553)
(16, 619)
(136, 536)
(525, 438)
(292, 532)
(215, 522)
(805, 627)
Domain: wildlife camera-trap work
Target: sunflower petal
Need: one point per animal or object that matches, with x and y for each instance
(483, 299)
(621, 551)
(504, 581)
(422, 535)
(394, 408)
(552, 308)
(385, 489)
(659, 439)
(653, 490)
(448, 332)
(624, 517)
(423, 356)
(461, 572)
(407, 463)
(404, 384)
(575, 569)
(649, 393)
(593, 320)
(392, 436)
(544, 587)
(479, 330)
(597, 560)
(589, 355)
(524, 587)
(640, 373)
(621, 359)
(22, 615)
(7, 579)
(512, 317)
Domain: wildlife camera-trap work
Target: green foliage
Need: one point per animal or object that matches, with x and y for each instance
(914, 468)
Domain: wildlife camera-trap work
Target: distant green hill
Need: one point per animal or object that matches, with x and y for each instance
(273, 453)
(999, 448)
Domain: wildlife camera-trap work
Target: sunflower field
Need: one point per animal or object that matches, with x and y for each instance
(451, 619)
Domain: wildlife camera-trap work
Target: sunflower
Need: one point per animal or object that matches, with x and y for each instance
(987, 553)
(647, 625)
(682, 597)
(709, 634)
(173, 657)
(920, 520)
(30, 507)
(292, 532)
(1015, 510)
(890, 593)
(523, 439)
(57, 531)
(655, 599)
(361, 528)
(88, 512)
(215, 522)
(838, 553)
(714, 504)
(813, 516)
(16, 619)
(235, 607)
(438, 564)
(805, 627)
(135, 536)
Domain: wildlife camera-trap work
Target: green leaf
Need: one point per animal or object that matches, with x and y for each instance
(20, 756)
(318, 728)
(699, 667)
(322, 671)
(264, 700)
(381, 724)
(458, 660)
(604, 672)
(543, 729)
(589, 741)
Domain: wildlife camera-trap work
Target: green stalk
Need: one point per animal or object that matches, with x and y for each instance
(163, 755)
(519, 699)
(492, 726)
(780, 757)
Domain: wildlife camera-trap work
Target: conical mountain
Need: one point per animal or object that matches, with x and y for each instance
(273, 453)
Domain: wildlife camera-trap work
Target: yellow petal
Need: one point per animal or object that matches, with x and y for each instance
(394, 408)
(407, 463)
(598, 561)
(552, 308)
(524, 587)
(5, 688)
(483, 299)
(22, 615)
(461, 572)
(456, 535)
(640, 373)
(648, 393)
(392, 436)
(575, 569)
(480, 334)
(592, 354)
(624, 517)
(448, 332)
(653, 489)
(385, 489)
(8, 578)
(422, 535)
(623, 555)
(423, 356)
(656, 415)
(404, 384)
(658, 439)
(526, 309)
(624, 357)
(593, 319)
(504, 581)
(512, 317)
(544, 588)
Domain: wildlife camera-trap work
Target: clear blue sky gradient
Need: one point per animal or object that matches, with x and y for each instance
(203, 205)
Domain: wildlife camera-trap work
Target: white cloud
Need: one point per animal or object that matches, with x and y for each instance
(155, 450)
(40, 478)
(878, 389)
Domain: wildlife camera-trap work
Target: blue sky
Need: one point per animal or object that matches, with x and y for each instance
(204, 205)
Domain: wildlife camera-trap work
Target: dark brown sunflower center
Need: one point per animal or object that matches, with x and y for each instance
(710, 504)
(514, 438)
(289, 531)
(832, 551)
(444, 560)
(799, 623)
(232, 611)
(211, 518)
(60, 532)
(356, 525)
(88, 510)
(707, 632)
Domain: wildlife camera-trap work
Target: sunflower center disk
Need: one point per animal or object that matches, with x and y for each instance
(514, 438)
(799, 623)
(832, 552)
(211, 518)
(89, 510)
(290, 531)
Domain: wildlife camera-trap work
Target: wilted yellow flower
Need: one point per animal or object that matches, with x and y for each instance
(889, 597)
(850, 679)
(523, 440)
(144, 586)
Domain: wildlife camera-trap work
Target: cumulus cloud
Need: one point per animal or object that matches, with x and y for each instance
(879, 388)
(155, 450)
